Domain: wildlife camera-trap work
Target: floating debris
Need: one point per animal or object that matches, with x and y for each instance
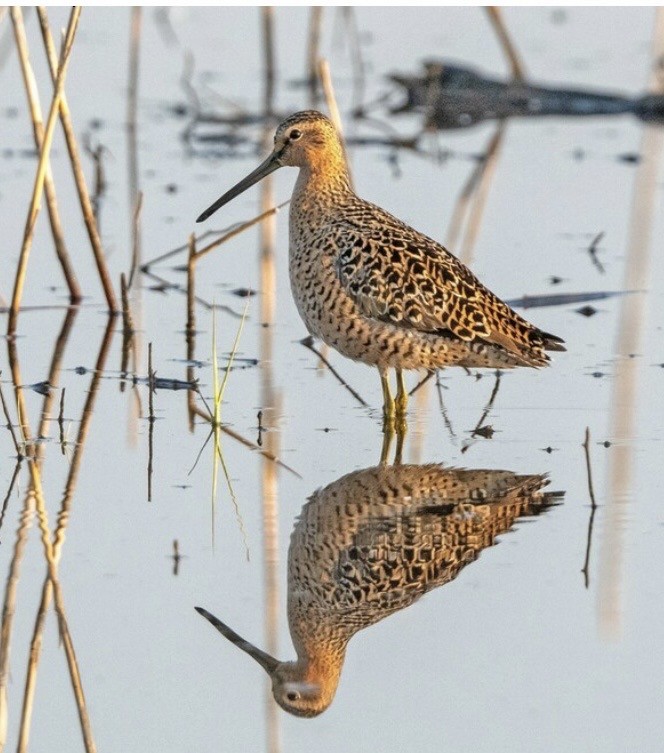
(455, 96)
(42, 388)
(629, 158)
(564, 299)
(484, 431)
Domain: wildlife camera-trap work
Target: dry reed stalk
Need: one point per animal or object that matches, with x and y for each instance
(151, 419)
(9, 608)
(51, 588)
(240, 229)
(267, 18)
(593, 509)
(178, 249)
(308, 343)
(79, 176)
(136, 239)
(38, 131)
(330, 99)
(127, 330)
(246, 442)
(481, 194)
(355, 47)
(469, 206)
(313, 50)
(9, 424)
(190, 328)
(496, 19)
(132, 101)
(52, 546)
(44, 428)
(38, 187)
(127, 319)
(270, 402)
(629, 340)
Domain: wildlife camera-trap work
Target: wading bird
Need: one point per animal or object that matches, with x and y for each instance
(374, 288)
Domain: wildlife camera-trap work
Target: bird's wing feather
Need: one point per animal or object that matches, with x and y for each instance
(398, 275)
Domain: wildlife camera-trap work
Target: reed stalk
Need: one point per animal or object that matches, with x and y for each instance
(38, 187)
(79, 176)
(38, 131)
(496, 19)
(333, 108)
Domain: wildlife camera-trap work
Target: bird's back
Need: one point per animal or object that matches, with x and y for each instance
(399, 275)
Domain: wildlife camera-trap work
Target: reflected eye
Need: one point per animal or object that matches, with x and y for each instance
(294, 135)
(293, 696)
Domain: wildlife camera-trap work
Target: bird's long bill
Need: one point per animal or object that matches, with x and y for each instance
(266, 661)
(269, 166)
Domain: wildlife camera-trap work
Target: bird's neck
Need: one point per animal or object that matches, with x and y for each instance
(321, 666)
(321, 188)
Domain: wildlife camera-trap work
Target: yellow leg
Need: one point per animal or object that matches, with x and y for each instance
(402, 395)
(401, 435)
(388, 401)
(388, 437)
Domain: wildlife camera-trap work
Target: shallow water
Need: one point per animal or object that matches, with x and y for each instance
(523, 650)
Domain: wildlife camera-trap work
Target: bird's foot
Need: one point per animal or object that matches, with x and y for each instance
(393, 425)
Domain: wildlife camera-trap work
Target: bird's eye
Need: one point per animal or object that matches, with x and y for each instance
(294, 135)
(293, 696)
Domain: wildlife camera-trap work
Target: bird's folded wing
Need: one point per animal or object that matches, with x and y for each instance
(409, 280)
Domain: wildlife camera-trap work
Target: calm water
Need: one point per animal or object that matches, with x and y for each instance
(524, 650)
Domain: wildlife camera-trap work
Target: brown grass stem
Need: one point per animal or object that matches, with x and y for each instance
(492, 398)
(593, 509)
(267, 23)
(469, 207)
(9, 605)
(127, 330)
(240, 229)
(77, 169)
(422, 382)
(313, 50)
(308, 343)
(61, 420)
(629, 341)
(38, 187)
(10, 489)
(443, 409)
(136, 239)
(135, 28)
(151, 419)
(246, 442)
(38, 132)
(5, 410)
(496, 18)
(355, 46)
(330, 99)
(190, 327)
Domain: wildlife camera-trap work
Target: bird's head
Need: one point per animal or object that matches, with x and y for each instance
(305, 139)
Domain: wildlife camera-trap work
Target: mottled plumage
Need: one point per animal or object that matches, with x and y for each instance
(371, 544)
(371, 286)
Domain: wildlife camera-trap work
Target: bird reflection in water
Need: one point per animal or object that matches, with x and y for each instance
(371, 544)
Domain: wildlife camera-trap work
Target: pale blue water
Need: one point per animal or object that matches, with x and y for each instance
(516, 654)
